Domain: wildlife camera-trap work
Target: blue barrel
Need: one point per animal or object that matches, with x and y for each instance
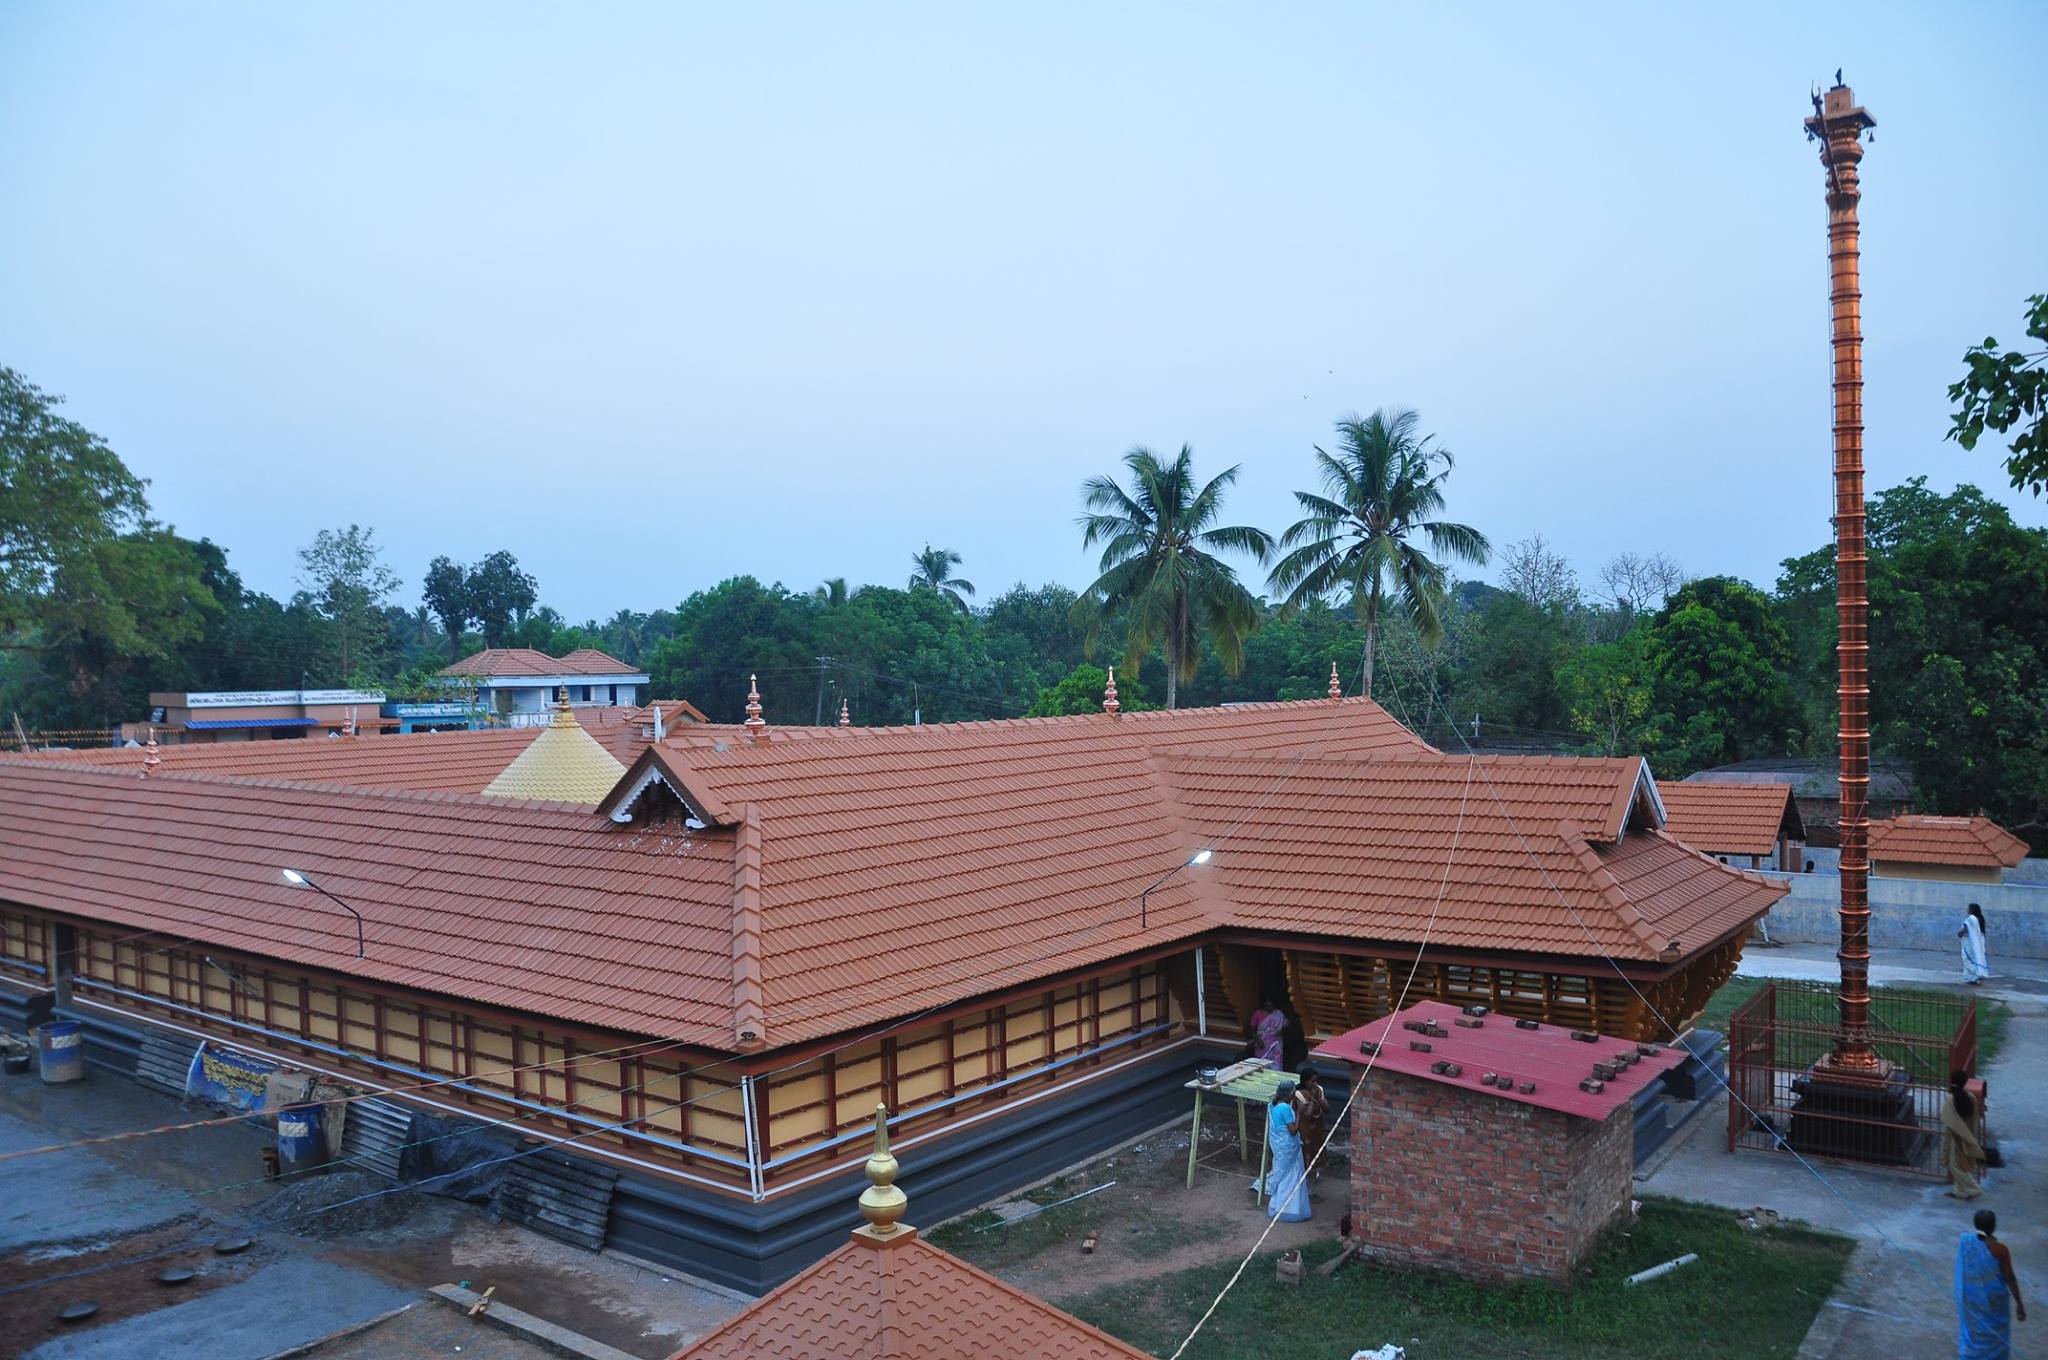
(301, 1138)
(60, 1049)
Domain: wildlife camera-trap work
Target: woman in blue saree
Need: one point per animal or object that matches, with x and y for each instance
(1286, 1181)
(1986, 1290)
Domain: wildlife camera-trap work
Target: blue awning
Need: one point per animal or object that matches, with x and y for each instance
(210, 724)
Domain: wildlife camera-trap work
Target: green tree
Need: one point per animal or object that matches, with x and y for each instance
(1959, 652)
(1720, 657)
(499, 596)
(2004, 388)
(446, 592)
(739, 628)
(92, 590)
(347, 583)
(1383, 486)
(74, 532)
(1081, 690)
(1162, 578)
(833, 593)
(935, 573)
(1610, 691)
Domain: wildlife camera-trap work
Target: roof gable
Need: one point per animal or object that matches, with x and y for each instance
(1967, 842)
(906, 1300)
(1730, 818)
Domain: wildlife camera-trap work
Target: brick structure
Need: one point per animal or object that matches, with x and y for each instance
(1501, 1165)
(1452, 1179)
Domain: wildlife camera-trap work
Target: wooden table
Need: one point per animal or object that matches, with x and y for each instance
(1254, 1079)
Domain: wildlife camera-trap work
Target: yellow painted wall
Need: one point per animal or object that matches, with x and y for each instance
(1943, 873)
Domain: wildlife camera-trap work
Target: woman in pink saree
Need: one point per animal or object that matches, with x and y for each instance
(1268, 1024)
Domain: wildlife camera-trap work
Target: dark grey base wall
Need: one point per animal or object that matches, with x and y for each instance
(754, 1247)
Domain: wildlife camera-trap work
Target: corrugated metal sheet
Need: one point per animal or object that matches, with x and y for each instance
(165, 1059)
(375, 1134)
(559, 1195)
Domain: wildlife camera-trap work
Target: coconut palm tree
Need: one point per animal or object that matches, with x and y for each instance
(833, 592)
(935, 572)
(1160, 569)
(1382, 486)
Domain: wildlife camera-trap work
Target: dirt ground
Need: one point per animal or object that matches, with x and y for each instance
(1148, 1222)
(98, 1223)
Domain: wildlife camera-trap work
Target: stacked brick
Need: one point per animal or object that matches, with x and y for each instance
(1461, 1180)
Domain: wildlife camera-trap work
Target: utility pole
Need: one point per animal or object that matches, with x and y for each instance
(823, 663)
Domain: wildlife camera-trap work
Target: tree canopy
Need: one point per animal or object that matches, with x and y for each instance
(2003, 389)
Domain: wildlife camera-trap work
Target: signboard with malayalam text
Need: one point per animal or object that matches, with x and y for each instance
(271, 698)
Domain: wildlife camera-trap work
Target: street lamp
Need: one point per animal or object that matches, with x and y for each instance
(1201, 856)
(299, 880)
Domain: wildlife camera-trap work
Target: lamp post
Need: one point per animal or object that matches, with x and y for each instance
(1199, 857)
(299, 880)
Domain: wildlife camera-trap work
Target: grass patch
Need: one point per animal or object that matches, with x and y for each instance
(1893, 1008)
(1752, 1294)
(983, 1239)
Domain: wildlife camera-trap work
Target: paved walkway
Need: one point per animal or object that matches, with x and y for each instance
(1897, 1299)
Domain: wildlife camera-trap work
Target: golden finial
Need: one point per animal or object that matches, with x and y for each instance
(1336, 685)
(754, 704)
(1109, 703)
(563, 717)
(845, 716)
(150, 758)
(881, 1204)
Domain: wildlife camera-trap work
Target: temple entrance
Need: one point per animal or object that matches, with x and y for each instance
(1332, 992)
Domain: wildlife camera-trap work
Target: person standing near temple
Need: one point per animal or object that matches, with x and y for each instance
(1987, 1293)
(1268, 1024)
(1961, 1152)
(1976, 958)
(1286, 1179)
(1312, 1113)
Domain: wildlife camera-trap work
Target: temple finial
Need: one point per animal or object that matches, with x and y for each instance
(845, 716)
(754, 706)
(881, 1204)
(1336, 685)
(150, 757)
(563, 716)
(1109, 703)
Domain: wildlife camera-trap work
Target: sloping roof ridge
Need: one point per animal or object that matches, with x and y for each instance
(1211, 901)
(749, 1006)
(1609, 887)
(1150, 717)
(1052, 1313)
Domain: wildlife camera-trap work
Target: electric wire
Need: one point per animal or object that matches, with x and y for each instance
(1357, 1085)
(1757, 1120)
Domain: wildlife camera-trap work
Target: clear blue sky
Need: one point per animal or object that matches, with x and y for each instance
(655, 296)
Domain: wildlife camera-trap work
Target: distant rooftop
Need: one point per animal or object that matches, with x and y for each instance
(1891, 779)
(1973, 842)
(500, 663)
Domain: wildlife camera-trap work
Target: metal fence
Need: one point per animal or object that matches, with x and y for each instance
(1776, 1037)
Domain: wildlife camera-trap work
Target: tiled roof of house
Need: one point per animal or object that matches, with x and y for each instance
(1731, 819)
(905, 1301)
(1971, 842)
(883, 871)
(417, 762)
(1527, 853)
(564, 764)
(542, 908)
(512, 662)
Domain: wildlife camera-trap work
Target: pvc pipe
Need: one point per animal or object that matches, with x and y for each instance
(1643, 1276)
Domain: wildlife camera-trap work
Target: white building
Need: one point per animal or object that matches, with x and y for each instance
(516, 685)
